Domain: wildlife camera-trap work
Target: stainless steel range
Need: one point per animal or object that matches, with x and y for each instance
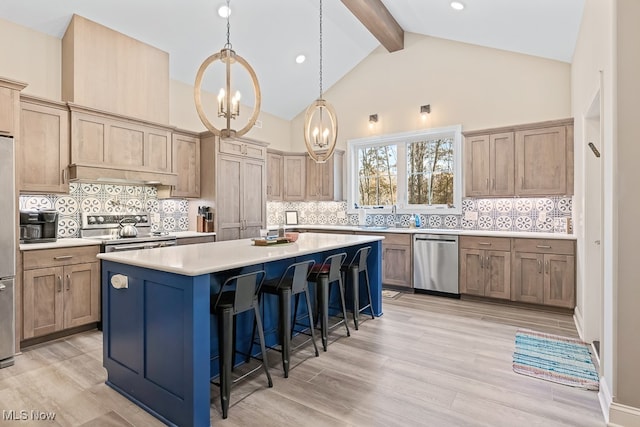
(106, 227)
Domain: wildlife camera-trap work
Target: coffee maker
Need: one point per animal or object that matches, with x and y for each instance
(39, 226)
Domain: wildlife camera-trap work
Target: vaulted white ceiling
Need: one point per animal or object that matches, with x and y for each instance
(270, 34)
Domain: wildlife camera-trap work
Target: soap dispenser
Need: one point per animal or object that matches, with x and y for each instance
(418, 221)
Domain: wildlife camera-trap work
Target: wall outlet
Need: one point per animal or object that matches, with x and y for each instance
(341, 214)
(471, 216)
(542, 216)
(155, 217)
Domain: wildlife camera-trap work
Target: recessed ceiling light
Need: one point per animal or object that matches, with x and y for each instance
(224, 11)
(457, 5)
(300, 59)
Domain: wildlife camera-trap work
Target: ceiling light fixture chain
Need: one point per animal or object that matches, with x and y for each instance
(228, 104)
(320, 121)
(228, 45)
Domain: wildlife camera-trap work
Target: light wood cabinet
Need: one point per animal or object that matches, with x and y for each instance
(61, 290)
(533, 159)
(274, 176)
(324, 180)
(10, 105)
(489, 165)
(544, 161)
(544, 272)
(485, 266)
(236, 185)
(185, 158)
(396, 259)
(294, 176)
(105, 146)
(44, 146)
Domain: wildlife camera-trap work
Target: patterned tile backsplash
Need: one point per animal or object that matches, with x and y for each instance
(87, 197)
(514, 214)
(545, 214)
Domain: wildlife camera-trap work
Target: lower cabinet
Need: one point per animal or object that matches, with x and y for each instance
(61, 290)
(195, 240)
(485, 266)
(544, 272)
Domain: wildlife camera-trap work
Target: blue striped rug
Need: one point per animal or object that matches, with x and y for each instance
(555, 358)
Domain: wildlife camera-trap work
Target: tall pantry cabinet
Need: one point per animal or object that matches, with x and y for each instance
(234, 181)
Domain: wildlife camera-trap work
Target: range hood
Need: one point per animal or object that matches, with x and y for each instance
(119, 175)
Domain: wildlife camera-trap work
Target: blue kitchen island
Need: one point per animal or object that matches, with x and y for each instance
(159, 338)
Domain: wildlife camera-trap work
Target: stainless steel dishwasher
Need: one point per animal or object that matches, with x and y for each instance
(435, 264)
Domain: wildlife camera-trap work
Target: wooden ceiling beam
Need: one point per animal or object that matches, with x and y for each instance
(376, 18)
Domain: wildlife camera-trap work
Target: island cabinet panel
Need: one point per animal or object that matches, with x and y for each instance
(44, 146)
(61, 290)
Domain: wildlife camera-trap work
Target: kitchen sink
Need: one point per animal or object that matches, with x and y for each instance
(374, 227)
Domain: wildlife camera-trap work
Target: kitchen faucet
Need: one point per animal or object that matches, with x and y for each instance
(396, 223)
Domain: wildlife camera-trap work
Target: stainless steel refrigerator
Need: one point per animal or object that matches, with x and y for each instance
(7, 251)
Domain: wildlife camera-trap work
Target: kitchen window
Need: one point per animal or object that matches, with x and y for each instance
(419, 172)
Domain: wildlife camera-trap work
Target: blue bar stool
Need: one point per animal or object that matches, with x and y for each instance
(293, 282)
(323, 276)
(354, 268)
(237, 295)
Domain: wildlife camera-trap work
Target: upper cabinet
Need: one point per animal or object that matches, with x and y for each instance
(544, 161)
(43, 151)
(107, 146)
(526, 160)
(185, 160)
(274, 175)
(294, 166)
(324, 180)
(9, 105)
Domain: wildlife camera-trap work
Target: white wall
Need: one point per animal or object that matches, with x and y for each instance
(465, 84)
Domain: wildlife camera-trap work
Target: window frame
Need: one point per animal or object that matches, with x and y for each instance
(402, 140)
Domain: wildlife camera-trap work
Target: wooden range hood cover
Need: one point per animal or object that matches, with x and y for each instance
(119, 175)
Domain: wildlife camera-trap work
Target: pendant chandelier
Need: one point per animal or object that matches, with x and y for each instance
(228, 105)
(320, 122)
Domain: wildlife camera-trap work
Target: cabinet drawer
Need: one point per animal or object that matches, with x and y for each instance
(58, 257)
(489, 243)
(544, 246)
(392, 238)
(239, 148)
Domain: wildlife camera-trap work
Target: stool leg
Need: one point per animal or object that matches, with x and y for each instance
(285, 326)
(295, 316)
(323, 297)
(344, 306)
(366, 278)
(313, 335)
(355, 284)
(225, 345)
(265, 365)
(253, 337)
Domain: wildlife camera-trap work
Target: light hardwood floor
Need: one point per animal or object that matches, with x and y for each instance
(428, 361)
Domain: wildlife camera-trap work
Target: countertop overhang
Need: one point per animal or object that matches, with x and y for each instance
(205, 258)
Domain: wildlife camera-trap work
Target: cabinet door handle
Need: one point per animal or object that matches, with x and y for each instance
(522, 182)
(59, 283)
(68, 282)
(485, 243)
(546, 267)
(487, 183)
(64, 176)
(543, 246)
(493, 181)
(62, 257)
(539, 266)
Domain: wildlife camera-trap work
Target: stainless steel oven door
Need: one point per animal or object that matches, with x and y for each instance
(138, 246)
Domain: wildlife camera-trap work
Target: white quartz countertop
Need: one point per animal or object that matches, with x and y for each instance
(60, 243)
(195, 260)
(374, 229)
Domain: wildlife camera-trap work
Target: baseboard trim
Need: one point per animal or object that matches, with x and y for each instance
(623, 416)
(579, 322)
(605, 398)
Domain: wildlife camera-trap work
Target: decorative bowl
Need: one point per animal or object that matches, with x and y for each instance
(292, 236)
